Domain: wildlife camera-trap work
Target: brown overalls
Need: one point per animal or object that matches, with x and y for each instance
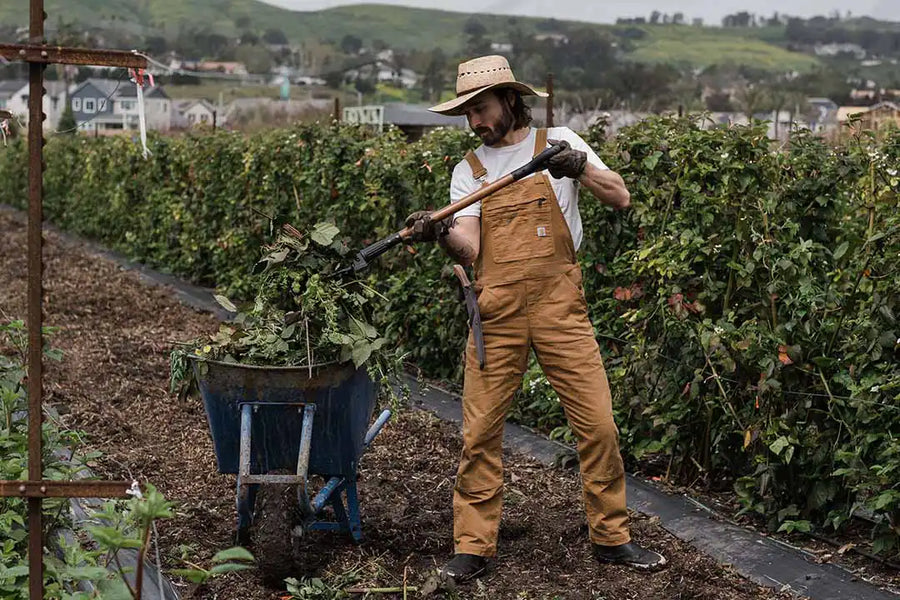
(530, 296)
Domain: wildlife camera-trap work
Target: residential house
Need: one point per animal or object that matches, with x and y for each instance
(845, 112)
(54, 104)
(405, 78)
(308, 80)
(188, 113)
(106, 106)
(557, 39)
(865, 94)
(157, 106)
(822, 116)
(383, 72)
(414, 120)
(229, 68)
(880, 116)
(836, 49)
(9, 88)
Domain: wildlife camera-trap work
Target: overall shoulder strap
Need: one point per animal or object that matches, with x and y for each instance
(540, 141)
(478, 170)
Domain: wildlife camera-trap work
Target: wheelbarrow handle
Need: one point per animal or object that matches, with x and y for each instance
(538, 163)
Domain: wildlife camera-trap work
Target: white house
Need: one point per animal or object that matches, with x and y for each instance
(8, 89)
(188, 113)
(54, 103)
(109, 106)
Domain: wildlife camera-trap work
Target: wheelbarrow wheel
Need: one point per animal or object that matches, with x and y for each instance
(276, 512)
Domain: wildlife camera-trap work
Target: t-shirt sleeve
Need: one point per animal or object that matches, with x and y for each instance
(579, 144)
(462, 183)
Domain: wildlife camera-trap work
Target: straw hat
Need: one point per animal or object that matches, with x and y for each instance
(480, 75)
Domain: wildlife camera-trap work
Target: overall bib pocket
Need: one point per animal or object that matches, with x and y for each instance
(519, 228)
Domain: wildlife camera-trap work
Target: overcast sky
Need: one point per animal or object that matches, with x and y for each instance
(607, 11)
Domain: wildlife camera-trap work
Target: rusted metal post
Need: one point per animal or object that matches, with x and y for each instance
(35, 292)
(37, 54)
(337, 109)
(549, 99)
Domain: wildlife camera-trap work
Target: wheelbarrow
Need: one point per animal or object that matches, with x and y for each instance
(277, 426)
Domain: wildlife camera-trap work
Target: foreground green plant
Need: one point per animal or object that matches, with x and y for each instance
(119, 525)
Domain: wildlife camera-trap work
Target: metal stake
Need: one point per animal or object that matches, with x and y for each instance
(37, 54)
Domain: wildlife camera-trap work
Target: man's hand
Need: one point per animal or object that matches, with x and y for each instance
(568, 163)
(423, 228)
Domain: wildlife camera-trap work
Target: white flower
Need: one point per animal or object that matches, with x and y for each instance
(874, 388)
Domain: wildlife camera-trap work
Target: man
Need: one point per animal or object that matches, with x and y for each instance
(522, 243)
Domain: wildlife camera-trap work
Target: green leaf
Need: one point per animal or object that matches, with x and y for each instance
(788, 454)
(361, 353)
(228, 568)
(234, 553)
(324, 233)
(192, 575)
(12, 572)
(649, 163)
(225, 303)
(840, 250)
(778, 445)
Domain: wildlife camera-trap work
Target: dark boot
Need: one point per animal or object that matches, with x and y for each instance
(465, 567)
(630, 554)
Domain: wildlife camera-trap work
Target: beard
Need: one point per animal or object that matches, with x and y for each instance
(491, 135)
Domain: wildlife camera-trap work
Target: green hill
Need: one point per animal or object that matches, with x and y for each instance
(401, 27)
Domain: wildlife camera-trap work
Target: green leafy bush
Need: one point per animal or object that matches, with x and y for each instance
(746, 305)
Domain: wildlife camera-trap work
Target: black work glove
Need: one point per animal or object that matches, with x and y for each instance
(568, 163)
(423, 228)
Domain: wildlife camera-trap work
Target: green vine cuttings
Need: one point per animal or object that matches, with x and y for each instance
(303, 314)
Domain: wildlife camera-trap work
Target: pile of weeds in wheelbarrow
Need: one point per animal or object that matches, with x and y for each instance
(302, 314)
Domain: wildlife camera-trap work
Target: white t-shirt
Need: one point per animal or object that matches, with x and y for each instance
(500, 161)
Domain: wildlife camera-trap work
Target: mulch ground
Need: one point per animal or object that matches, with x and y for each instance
(116, 333)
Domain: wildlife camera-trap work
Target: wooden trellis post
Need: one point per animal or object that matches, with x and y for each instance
(549, 122)
(38, 55)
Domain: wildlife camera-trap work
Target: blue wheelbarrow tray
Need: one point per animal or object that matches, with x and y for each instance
(281, 425)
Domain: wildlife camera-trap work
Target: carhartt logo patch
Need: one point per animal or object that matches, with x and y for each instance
(542, 231)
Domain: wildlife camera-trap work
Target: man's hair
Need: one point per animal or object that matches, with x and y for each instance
(521, 112)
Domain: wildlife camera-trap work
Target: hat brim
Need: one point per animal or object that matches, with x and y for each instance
(455, 107)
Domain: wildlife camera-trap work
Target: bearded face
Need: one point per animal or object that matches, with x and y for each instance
(490, 117)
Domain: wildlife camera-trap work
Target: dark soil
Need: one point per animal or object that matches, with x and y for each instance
(116, 333)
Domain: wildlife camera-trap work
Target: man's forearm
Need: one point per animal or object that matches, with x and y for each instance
(458, 247)
(607, 186)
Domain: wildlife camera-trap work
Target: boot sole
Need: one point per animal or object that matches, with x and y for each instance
(634, 565)
(466, 577)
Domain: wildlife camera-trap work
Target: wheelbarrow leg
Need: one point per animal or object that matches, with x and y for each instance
(306, 431)
(353, 509)
(245, 492)
(347, 517)
(340, 513)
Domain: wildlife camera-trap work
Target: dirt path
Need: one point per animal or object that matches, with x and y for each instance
(116, 333)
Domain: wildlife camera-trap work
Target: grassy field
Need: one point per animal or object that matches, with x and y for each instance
(407, 28)
(704, 46)
(228, 90)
